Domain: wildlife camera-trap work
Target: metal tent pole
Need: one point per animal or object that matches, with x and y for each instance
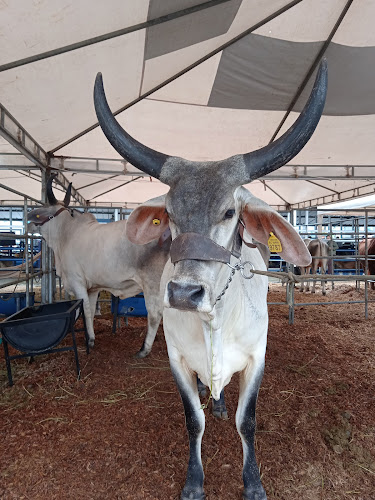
(26, 250)
(50, 276)
(44, 250)
(366, 264)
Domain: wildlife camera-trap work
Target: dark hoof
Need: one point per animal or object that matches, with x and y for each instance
(220, 412)
(254, 494)
(188, 494)
(141, 354)
(91, 343)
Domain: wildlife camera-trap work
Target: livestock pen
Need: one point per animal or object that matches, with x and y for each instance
(347, 264)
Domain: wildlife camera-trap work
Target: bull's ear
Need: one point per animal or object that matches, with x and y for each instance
(261, 220)
(147, 222)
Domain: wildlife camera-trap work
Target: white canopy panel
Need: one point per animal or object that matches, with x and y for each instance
(249, 91)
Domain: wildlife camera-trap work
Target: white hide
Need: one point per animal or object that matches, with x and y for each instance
(239, 327)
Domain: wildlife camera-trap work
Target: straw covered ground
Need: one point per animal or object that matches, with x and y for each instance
(119, 432)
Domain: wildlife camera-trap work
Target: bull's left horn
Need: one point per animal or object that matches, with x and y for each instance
(142, 157)
(269, 158)
(52, 200)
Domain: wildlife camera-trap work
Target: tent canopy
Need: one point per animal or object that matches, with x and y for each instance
(257, 64)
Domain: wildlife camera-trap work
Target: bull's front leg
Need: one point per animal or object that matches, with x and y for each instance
(250, 380)
(195, 422)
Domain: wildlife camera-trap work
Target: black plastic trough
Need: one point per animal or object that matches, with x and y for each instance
(39, 329)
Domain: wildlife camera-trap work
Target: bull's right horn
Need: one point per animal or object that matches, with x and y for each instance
(139, 155)
(50, 195)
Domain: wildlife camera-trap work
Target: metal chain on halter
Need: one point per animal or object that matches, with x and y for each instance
(240, 266)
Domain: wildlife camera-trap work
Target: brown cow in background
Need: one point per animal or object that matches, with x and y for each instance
(320, 251)
(370, 253)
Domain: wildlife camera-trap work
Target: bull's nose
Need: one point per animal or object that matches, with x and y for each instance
(184, 295)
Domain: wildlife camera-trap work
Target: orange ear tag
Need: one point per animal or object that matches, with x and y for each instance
(274, 244)
(156, 222)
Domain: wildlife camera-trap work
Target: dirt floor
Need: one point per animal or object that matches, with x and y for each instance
(119, 432)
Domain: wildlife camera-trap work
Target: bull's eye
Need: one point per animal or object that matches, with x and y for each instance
(229, 213)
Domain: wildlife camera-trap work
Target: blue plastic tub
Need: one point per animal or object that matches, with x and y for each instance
(11, 303)
(133, 306)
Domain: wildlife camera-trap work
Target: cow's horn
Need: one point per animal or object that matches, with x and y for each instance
(273, 156)
(142, 157)
(67, 196)
(50, 195)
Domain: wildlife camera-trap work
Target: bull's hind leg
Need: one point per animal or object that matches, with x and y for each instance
(314, 271)
(81, 293)
(202, 389)
(219, 409)
(154, 314)
(93, 298)
(195, 422)
(323, 282)
(250, 380)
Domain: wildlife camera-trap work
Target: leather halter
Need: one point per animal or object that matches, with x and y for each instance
(50, 217)
(195, 246)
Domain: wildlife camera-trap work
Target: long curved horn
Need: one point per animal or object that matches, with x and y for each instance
(50, 195)
(67, 196)
(273, 156)
(142, 157)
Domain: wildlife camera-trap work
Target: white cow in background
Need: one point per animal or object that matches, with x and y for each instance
(91, 257)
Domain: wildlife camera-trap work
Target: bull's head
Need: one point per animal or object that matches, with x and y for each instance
(206, 199)
(53, 207)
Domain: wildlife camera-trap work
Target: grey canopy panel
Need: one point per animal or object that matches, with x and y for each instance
(256, 67)
(260, 73)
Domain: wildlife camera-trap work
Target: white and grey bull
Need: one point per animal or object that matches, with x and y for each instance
(205, 208)
(319, 252)
(91, 257)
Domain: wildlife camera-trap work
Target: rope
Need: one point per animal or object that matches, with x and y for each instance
(14, 270)
(290, 277)
(17, 271)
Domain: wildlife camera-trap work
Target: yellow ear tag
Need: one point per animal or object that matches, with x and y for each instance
(37, 216)
(274, 244)
(156, 222)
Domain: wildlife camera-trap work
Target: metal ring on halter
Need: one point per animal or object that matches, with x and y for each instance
(242, 269)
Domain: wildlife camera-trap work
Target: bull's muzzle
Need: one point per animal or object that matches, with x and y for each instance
(185, 296)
